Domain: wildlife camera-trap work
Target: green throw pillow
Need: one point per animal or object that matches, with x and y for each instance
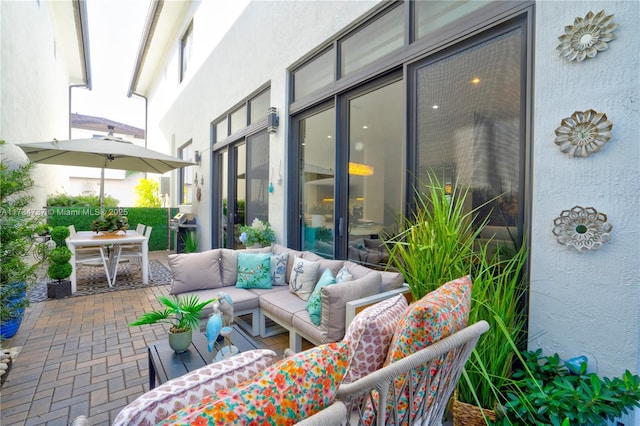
(314, 304)
(254, 270)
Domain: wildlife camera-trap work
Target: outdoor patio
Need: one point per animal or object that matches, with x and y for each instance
(78, 356)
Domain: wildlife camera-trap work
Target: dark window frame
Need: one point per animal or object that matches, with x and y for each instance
(186, 41)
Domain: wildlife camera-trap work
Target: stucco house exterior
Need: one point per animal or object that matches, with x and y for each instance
(369, 95)
(49, 40)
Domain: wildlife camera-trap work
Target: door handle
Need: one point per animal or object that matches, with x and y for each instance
(341, 227)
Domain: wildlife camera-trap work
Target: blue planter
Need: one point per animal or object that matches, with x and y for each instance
(9, 328)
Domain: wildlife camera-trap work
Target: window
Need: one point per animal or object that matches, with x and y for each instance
(185, 191)
(432, 16)
(315, 75)
(259, 107)
(245, 117)
(185, 50)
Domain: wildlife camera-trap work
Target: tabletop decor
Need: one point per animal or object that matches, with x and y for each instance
(111, 222)
(582, 228)
(583, 133)
(183, 314)
(586, 37)
(258, 233)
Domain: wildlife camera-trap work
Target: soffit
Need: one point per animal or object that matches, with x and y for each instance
(164, 20)
(70, 25)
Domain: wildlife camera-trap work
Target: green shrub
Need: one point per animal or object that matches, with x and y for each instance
(59, 234)
(65, 200)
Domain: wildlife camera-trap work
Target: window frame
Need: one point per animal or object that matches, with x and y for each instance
(186, 44)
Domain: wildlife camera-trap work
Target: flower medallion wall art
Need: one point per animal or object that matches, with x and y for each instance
(582, 228)
(583, 133)
(586, 37)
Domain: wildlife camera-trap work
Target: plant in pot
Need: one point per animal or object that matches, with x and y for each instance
(258, 234)
(183, 314)
(17, 237)
(545, 391)
(190, 242)
(110, 223)
(59, 266)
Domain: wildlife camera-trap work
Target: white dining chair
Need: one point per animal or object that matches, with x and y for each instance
(93, 257)
(133, 254)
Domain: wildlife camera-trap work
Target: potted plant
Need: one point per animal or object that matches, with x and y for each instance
(258, 234)
(545, 391)
(110, 223)
(59, 265)
(17, 237)
(190, 242)
(317, 215)
(183, 314)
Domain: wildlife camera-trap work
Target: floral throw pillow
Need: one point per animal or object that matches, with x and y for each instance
(314, 304)
(159, 403)
(304, 276)
(437, 315)
(291, 390)
(254, 270)
(369, 336)
(279, 268)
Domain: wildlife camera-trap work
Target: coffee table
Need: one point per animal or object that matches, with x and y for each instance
(166, 364)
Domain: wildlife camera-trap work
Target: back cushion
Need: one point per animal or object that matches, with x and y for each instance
(369, 336)
(229, 267)
(159, 403)
(291, 390)
(195, 271)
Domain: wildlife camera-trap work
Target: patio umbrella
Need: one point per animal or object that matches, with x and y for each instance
(105, 152)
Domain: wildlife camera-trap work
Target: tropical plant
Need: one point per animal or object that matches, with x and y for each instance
(17, 237)
(545, 392)
(190, 242)
(258, 233)
(147, 193)
(110, 222)
(183, 314)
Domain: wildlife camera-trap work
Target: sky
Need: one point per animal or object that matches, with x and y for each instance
(115, 30)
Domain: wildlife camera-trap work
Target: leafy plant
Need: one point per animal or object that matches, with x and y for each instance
(182, 313)
(59, 234)
(258, 233)
(147, 193)
(545, 392)
(435, 243)
(17, 237)
(190, 242)
(59, 265)
(111, 222)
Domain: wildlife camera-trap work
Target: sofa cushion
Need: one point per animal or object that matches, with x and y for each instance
(293, 389)
(281, 306)
(229, 267)
(254, 270)
(243, 300)
(314, 303)
(277, 249)
(159, 403)
(303, 277)
(344, 275)
(194, 271)
(279, 268)
(391, 280)
(369, 336)
(334, 300)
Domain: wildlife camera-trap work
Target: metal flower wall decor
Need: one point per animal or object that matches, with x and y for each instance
(586, 37)
(584, 133)
(582, 229)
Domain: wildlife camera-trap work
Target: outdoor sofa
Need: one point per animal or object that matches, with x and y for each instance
(275, 283)
(398, 364)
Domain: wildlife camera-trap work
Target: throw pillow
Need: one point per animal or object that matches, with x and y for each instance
(279, 268)
(254, 270)
(159, 403)
(314, 303)
(369, 336)
(437, 315)
(303, 277)
(195, 271)
(344, 275)
(291, 390)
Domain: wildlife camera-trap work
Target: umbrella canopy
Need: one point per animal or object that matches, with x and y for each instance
(105, 152)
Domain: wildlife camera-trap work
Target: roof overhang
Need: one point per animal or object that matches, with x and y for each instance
(163, 21)
(72, 32)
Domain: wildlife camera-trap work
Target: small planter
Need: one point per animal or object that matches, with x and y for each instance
(59, 290)
(10, 328)
(180, 342)
(470, 415)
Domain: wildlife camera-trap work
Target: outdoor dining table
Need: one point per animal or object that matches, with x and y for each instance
(92, 239)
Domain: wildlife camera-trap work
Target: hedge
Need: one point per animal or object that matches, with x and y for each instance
(81, 218)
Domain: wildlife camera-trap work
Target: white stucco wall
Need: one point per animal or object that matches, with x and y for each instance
(34, 86)
(587, 303)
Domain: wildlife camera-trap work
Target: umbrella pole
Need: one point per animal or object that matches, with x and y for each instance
(102, 193)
